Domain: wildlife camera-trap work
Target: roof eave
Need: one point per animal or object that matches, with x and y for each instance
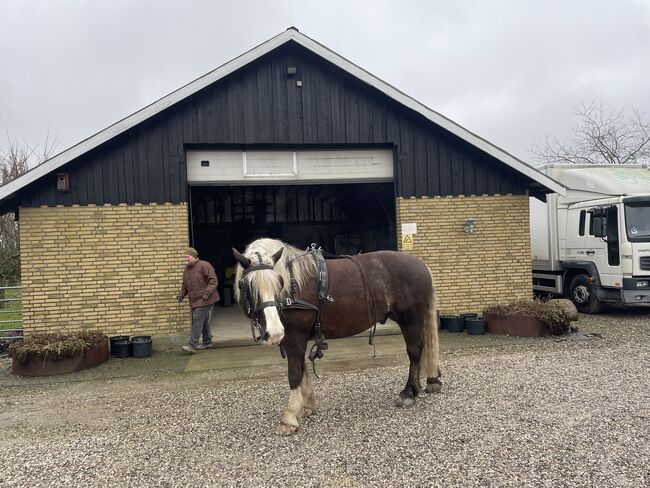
(290, 34)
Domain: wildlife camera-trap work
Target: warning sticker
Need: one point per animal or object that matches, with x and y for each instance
(407, 242)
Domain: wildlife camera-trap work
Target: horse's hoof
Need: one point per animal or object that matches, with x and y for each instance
(307, 412)
(433, 388)
(286, 429)
(405, 402)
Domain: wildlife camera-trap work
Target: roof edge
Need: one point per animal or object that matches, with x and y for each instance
(291, 34)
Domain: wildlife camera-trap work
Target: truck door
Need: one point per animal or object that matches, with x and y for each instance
(602, 244)
(575, 235)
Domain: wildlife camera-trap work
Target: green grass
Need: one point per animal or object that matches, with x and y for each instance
(14, 309)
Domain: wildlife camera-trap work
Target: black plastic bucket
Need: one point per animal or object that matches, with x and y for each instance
(442, 320)
(122, 348)
(475, 325)
(115, 339)
(468, 315)
(453, 323)
(141, 346)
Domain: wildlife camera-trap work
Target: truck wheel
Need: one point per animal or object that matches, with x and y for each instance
(583, 295)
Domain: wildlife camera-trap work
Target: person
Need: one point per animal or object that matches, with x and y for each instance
(200, 285)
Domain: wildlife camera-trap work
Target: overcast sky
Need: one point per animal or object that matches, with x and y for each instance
(509, 71)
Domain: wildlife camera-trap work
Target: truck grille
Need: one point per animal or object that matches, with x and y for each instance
(644, 262)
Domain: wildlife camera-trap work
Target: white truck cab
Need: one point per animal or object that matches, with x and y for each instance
(593, 245)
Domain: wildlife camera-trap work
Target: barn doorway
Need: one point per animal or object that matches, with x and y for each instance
(342, 218)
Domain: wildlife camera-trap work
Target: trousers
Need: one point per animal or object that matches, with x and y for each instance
(200, 326)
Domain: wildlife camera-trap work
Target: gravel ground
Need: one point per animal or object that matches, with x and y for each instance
(551, 413)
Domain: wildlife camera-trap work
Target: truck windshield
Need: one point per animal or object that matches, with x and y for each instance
(637, 221)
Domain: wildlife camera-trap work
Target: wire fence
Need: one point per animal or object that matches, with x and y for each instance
(11, 314)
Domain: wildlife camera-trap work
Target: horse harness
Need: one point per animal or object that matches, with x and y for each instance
(292, 303)
(251, 312)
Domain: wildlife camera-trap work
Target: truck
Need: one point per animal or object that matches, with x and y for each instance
(593, 245)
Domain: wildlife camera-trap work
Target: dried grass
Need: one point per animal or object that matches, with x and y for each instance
(551, 314)
(55, 346)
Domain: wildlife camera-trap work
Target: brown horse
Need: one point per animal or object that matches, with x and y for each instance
(363, 289)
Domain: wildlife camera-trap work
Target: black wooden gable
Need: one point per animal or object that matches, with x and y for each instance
(260, 105)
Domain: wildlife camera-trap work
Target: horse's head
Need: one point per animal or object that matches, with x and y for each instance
(259, 292)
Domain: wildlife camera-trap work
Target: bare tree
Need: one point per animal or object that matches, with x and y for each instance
(601, 137)
(15, 160)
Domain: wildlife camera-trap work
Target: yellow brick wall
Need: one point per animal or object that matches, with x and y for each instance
(116, 268)
(490, 265)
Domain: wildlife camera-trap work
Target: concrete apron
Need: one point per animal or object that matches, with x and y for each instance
(229, 361)
(236, 354)
(350, 354)
(260, 357)
(230, 327)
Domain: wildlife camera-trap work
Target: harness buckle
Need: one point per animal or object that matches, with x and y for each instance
(255, 325)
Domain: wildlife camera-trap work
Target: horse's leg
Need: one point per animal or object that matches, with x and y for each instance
(430, 361)
(295, 347)
(307, 393)
(409, 325)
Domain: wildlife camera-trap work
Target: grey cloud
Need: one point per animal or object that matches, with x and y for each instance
(509, 71)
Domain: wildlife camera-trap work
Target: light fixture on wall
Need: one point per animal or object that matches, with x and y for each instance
(469, 225)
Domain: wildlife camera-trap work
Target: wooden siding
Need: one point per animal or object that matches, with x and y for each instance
(261, 106)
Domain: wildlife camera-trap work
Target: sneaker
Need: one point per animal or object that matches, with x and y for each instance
(189, 349)
(208, 345)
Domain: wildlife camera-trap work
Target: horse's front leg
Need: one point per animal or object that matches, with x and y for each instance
(295, 347)
(308, 403)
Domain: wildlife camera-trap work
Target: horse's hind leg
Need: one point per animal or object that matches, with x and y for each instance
(413, 338)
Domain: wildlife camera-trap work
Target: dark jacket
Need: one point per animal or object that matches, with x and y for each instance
(199, 278)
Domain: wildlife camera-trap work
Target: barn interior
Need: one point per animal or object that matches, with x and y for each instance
(341, 218)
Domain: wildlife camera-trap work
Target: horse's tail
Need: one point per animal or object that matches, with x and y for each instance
(430, 359)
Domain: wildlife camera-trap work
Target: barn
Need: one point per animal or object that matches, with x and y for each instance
(289, 140)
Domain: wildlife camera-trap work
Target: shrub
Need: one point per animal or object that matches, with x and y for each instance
(551, 314)
(55, 346)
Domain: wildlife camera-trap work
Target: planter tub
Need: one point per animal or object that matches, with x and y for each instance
(141, 346)
(115, 339)
(442, 320)
(453, 323)
(123, 349)
(519, 325)
(91, 357)
(475, 325)
(466, 316)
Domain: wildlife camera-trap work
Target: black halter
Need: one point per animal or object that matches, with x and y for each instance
(251, 310)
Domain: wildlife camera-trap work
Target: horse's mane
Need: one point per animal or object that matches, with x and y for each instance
(303, 268)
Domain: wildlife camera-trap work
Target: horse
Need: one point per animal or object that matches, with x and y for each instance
(280, 288)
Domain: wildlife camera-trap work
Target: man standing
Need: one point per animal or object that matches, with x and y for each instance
(200, 284)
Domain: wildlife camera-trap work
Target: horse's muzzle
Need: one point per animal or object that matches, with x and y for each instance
(273, 340)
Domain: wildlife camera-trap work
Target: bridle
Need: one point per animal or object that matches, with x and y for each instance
(252, 311)
(292, 303)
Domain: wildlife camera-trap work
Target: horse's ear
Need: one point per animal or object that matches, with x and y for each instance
(241, 259)
(277, 255)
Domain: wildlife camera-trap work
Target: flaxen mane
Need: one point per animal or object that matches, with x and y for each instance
(304, 268)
